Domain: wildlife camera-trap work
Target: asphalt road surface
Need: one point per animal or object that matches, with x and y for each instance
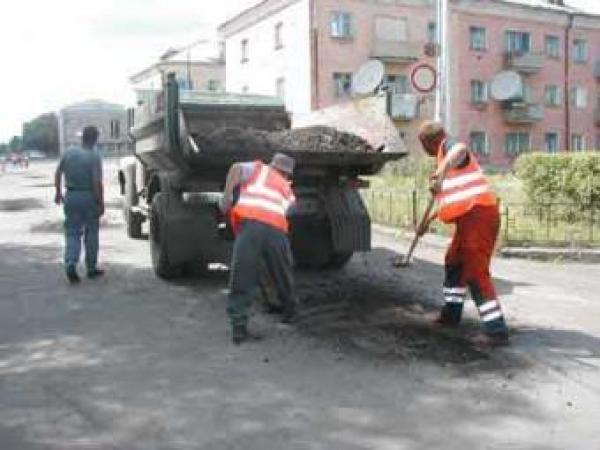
(133, 362)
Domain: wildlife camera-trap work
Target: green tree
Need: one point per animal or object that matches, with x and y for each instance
(41, 133)
(3, 148)
(15, 144)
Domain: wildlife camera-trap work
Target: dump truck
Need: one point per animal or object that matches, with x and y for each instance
(184, 144)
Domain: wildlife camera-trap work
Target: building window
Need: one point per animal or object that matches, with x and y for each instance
(477, 38)
(579, 97)
(244, 50)
(396, 84)
(213, 85)
(478, 92)
(518, 42)
(516, 143)
(343, 84)
(184, 83)
(552, 96)
(551, 142)
(341, 25)
(528, 94)
(479, 143)
(579, 51)
(391, 29)
(552, 47)
(278, 36)
(115, 129)
(577, 143)
(432, 32)
(280, 88)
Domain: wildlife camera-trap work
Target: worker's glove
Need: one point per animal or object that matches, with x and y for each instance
(435, 184)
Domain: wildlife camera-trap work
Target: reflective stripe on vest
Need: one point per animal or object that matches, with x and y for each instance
(265, 197)
(462, 189)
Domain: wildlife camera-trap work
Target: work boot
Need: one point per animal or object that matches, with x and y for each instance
(95, 273)
(441, 318)
(72, 276)
(239, 334)
(489, 340)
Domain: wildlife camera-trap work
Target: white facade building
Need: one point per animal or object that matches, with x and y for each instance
(271, 55)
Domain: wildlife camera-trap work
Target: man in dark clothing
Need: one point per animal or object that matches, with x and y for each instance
(259, 219)
(83, 203)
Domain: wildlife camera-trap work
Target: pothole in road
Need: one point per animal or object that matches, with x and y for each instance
(20, 204)
(377, 318)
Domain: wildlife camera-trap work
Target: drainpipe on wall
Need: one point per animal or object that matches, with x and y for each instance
(567, 94)
(314, 52)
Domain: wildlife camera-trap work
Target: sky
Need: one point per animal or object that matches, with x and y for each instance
(59, 52)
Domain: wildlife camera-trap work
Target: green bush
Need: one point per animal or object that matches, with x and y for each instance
(561, 178)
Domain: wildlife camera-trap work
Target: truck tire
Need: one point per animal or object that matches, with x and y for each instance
(158, 240)
(312, 247)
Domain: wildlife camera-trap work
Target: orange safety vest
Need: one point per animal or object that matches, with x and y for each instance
(264, 197)
(462, 189)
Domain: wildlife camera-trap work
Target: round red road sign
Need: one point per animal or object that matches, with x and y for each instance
(423, 77)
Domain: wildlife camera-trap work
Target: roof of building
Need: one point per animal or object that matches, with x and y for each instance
(245, 12)
(199, 53)
(544, 4)
(92, 104)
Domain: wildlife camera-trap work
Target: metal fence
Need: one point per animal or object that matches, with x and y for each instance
(549, 224)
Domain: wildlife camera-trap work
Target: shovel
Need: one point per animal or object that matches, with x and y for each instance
(404, 262)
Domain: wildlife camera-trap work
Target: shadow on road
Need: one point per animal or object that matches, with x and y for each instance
(20, 204)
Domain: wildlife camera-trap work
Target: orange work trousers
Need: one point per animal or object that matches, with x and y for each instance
(468, 258)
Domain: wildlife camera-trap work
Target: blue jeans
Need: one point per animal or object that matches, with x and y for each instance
(81, 218)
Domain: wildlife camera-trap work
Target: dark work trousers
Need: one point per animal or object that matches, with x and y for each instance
(259, 246)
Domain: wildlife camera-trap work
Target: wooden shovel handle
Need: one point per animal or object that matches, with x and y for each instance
(425, 217)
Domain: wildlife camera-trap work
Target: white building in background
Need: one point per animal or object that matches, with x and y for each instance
(199, 66)
(267, 52)
(109, 118)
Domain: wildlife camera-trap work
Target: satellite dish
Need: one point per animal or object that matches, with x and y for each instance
(507, 85)
(366, 79)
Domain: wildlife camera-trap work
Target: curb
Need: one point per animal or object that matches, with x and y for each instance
(432, 240)
(552, 254)
(535, 253)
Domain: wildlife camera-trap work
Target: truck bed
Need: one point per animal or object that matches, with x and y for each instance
(343, 162)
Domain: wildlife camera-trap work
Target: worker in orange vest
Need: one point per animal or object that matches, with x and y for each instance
(464, 198)
(259, 218)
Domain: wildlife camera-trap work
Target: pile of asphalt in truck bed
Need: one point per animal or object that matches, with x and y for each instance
(309, 139)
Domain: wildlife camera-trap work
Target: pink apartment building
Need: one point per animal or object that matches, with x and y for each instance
(306, 50)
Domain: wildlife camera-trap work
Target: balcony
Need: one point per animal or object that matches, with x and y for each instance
(403, 107)
(527, 63)
(396, 51)
(522, 113)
